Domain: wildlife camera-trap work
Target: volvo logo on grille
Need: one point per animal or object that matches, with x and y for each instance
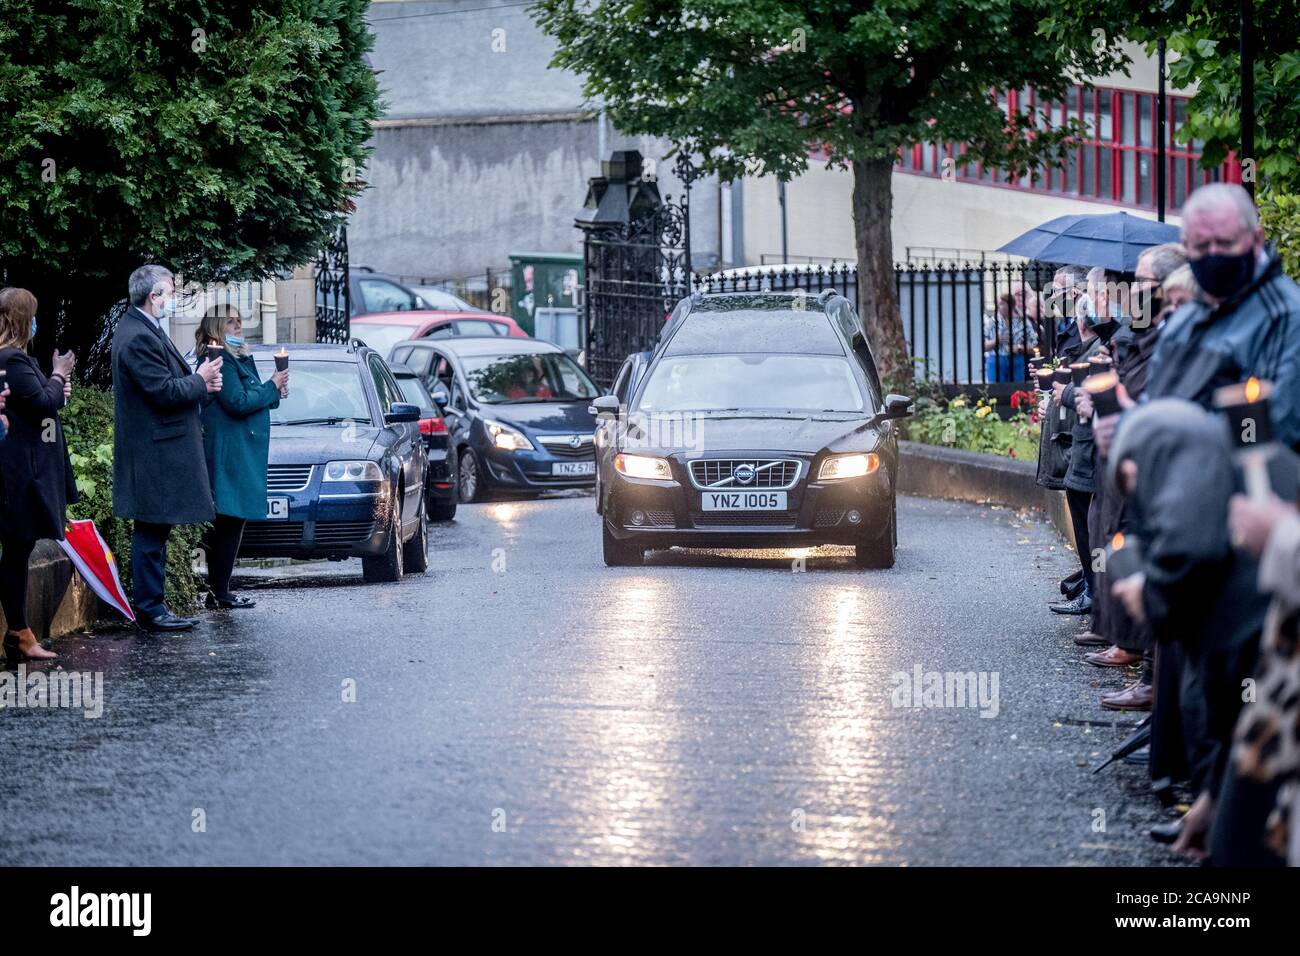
(744, 473)
(575, 441)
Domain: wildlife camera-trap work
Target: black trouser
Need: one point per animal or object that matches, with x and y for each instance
(13, 580)
(223, 547)
(149, 568)
(1079, 502)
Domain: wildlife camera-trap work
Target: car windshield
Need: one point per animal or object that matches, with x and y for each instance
(701, 383)
(380, 337)
(413, 391)
(540, 377)
(319, 392)
(441, 299)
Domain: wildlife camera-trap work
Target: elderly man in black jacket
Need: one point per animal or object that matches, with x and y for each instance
(160, 476)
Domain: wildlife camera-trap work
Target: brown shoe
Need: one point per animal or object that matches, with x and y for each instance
(23, 646)
(1091, 639)
(1113, 656)
(1138, 696)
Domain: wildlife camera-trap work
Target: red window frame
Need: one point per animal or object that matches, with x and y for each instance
(1100, 168)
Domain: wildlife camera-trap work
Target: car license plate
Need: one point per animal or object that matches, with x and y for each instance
(277, 509)
(573, 468)
(744, 501)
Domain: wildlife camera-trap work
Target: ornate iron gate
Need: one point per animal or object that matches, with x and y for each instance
(333, 297)
(636, 255)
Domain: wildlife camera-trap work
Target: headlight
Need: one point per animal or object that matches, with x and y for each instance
(352, 471)
(643, 466)
(503, 436)
(838, 467)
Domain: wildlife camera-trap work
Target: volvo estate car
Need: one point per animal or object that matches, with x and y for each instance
(757, 422)
(347, 465)
(519, 411)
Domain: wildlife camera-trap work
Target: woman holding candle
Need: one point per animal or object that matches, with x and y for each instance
(236, 442)
(36, 479)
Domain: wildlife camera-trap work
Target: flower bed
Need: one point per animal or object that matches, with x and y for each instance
(978, 427)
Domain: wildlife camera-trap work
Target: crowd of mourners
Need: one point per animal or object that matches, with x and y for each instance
(1170, 407)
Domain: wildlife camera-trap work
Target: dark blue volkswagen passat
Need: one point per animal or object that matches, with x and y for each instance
(347, 467)
(518, 409)
(758, 421)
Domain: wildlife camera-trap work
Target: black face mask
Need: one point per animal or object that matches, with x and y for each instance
(1222, 276)
(1150, 303)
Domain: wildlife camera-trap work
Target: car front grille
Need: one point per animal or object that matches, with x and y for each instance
(779, 520)
(342, 533)
(558, 445)
(272, 534)
(768, 473)
(288, 477)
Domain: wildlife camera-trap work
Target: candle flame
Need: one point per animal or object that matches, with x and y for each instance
(1252, 389)
(1117, 542)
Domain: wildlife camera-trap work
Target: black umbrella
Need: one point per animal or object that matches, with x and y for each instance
(1136, 741)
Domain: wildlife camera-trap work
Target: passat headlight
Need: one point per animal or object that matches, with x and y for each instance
(352, 471)
(505, 437)
(643, 466)
(838, 467)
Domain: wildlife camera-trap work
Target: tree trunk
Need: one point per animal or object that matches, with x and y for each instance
(877, 300)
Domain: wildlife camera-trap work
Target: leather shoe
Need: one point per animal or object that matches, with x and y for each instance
(1079, 605)
(1113, 656)
(166, 622)
(1140, 757)
(1167, 832)
(229, 603)
(1137, 696)
(1091, 639)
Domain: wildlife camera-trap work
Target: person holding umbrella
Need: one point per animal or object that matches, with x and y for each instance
(36, 479)
(236, 444)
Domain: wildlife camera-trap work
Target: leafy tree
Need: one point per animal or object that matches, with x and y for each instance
(220, 137)
(754, 85)
(1203, 40)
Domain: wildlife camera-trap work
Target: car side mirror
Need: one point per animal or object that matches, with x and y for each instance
(400, 412)
(441, 399)
(897, 406)
(604, 407)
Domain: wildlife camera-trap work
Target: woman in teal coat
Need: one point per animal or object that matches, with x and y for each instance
(237, 441)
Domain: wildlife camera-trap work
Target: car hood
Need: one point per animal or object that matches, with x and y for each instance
(544, 416)
(317, 444)
(740, 432)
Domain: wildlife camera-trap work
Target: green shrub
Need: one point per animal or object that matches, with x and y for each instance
(88, 425)
(958, 424)
(1279, 214)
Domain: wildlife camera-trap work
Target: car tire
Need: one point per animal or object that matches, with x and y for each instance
(619, 554)
(879, 554)
(442, 509)
(416, 551)
(389, 566)
(469, 477)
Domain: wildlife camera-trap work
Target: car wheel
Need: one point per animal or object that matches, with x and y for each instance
(442, 509)
(469, 478)
(387, 567)
(879, 554)
(619, 554)
(416, 552)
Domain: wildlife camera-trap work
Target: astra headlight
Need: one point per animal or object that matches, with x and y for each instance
(839, 467)
(505, 437)
(643, 466)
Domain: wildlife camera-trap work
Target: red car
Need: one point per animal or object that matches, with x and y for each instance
(382, 330)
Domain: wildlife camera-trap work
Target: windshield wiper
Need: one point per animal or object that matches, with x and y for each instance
(332, 420)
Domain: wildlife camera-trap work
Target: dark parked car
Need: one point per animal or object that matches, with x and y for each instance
(518, 410)
(346, 472)
(440, 496)
(758, 421)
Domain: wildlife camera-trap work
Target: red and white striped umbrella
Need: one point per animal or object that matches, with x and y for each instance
(94, 561)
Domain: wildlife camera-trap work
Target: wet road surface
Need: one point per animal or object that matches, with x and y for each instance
(522, 704)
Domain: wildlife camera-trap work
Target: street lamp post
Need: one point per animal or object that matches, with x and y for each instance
(1248, 91)
(1162, 111)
